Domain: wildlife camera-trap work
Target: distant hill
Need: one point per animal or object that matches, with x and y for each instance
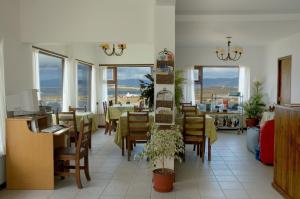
(226, 82)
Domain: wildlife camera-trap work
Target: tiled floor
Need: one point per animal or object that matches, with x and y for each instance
(233, 173)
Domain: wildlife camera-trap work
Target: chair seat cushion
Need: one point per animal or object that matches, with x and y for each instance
(69, 152)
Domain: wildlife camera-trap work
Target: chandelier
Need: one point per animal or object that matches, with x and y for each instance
(105, 47)
(237, 52)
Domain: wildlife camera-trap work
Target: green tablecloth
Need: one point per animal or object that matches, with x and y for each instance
(122, 129)
(115, 111)
(85, 116)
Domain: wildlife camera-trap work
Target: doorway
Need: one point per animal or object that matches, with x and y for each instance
(284, 80)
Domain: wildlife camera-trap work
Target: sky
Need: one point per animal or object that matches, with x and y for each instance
(220, 72)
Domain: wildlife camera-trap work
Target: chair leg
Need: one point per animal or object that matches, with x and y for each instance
(122, 145)
(77, 174)
(203, 151)
(194, 149)
(90, 140)
(198, 149)
(129, 149)
(86, 168)
(183, 158)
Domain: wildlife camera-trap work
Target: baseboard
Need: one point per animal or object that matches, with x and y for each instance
(3, 186)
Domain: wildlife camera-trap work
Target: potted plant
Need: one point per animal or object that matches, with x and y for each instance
(255, 106)
(165, 144)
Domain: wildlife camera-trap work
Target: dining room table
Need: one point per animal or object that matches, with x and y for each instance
(83, 116)
(115, 111)
(122, 130)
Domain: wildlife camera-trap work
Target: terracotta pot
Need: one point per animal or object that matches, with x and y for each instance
(163, 180)
(251, 122)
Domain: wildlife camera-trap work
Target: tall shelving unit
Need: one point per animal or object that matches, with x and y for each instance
(164, 89)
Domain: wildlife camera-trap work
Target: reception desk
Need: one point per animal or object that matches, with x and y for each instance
(287, 151)
(29, 154)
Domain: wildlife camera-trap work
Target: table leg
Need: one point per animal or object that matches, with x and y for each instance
(209, 150)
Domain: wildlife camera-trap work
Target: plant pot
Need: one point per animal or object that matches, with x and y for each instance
(163, 180)
(251, 122)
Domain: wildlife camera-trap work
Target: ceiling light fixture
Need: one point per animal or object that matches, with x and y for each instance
(105, 47)
(238, 51)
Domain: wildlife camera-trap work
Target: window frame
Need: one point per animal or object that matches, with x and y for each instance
(56, 55)
(200, 75)
(89, 65)
(115, 74)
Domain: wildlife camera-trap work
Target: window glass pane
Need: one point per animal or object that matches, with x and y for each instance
(111, 92)
(51, 80)
(110, 74)
(196, 75)
(219, 82)
(84, 85)
(197, 89)
(129, 84)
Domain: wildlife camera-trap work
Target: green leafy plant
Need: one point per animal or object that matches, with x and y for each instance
(255, 106)
(163, 145)
(147, 89)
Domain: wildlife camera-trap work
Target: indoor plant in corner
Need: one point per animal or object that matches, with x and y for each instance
(255, 106)
(164, 144)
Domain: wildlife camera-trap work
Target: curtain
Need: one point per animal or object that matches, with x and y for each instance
(244, 82)
(2, 101)
(67, 82)
(103, 87)
(36, 72)
(188, 87)
(95, 91)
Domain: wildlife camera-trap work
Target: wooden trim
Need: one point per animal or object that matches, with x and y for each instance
(84, 62)
(127, 65)
(58, 55)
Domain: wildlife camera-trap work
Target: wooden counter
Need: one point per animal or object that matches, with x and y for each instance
(287, 151)
(30, 155)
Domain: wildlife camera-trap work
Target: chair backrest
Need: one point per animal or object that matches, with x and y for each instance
(194, 125)
(189, 110)
(110, 103)
(138, 122)
(182, 104)
(67, 119)
(81, 109)
(84, 135)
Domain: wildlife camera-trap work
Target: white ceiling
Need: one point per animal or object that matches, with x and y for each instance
(249, 22)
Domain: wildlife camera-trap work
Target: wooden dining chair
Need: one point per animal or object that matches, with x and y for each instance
(194, 132)
(80, 109)
(63, 156)
(112, 124)
(68, 119)
(138, 129)
(182, 104)
(189, 110)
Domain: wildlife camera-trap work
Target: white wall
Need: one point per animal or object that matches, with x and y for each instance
(17, 56)
(254, 58)
(86, 21)
(282, 48)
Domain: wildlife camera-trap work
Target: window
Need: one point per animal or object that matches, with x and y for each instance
(215, 81)
(51, 80)
(84, 85)
(124, 85)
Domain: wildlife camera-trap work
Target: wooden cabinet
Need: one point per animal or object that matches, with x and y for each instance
(287, 151)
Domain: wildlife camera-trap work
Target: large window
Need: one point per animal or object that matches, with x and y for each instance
(51, 80)
(124, 85)
(215, 82)
(84, 85)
